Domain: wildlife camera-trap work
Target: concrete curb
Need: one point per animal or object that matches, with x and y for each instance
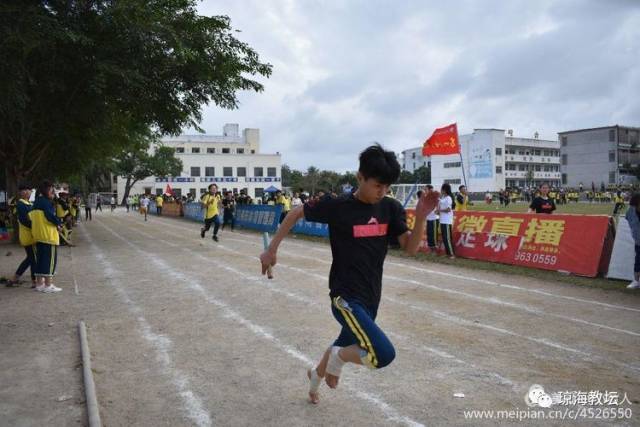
(93, 411)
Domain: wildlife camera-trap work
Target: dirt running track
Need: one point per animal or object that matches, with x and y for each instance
(184, 331)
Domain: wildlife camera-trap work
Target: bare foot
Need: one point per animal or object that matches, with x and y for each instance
(314, 396)
(331, 380)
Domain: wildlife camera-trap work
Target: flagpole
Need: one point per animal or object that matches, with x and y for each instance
(464, 178)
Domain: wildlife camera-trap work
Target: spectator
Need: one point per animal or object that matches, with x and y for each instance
(542, 203)
(445, 211)
(633, 218)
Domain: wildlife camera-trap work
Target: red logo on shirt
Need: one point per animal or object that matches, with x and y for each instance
(371, 229)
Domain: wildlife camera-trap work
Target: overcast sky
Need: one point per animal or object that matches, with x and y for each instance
(346, 73)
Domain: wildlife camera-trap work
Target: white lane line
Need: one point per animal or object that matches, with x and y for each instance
(192, 403)
(441, 273)
(411, 344)
(523, 307)
(389, 411)
(465, 322)
(473, 279)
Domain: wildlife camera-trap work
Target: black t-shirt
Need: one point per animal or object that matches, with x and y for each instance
(359, 235)
(541, 205)
(228, 205)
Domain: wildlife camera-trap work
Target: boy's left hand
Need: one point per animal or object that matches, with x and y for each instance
(427, 203)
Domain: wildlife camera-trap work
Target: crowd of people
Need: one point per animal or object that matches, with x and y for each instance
(43, 226)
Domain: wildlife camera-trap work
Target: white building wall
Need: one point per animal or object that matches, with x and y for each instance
(484, 169)
(242, 153)
(413, 159)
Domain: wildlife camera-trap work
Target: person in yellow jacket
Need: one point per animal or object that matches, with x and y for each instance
(462, 199)
(159, 202)
(619, 201)
(45, 228)
(283, 200)
(210, 202)
(23, 207)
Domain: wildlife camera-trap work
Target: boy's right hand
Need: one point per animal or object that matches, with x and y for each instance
(267, 259)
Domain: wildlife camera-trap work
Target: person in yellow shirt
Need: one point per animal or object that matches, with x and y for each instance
(159, 202)
(211, 204)
(45, 228)
(462, 199)
(23, 207)
(619, 201)
(283, 200)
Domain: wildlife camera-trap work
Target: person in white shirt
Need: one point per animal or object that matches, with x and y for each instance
(432, 224)
(144, 206)
(296, 200)
(445, 210)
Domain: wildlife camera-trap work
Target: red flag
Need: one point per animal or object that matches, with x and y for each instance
(442, 141)
(168, 190)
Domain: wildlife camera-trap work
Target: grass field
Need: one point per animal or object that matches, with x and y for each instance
(584, 208)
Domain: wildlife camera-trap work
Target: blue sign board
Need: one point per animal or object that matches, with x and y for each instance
(311, 228)
(259, 217)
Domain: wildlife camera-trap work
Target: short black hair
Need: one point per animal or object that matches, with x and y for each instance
(429, 187)
(44, 187)
(24, 187)
(419, 193)
(461, 187)
(379, 164)
(446, 188)
(211, 185)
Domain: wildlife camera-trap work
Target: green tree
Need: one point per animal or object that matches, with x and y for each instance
(312, 179)
(422, 175)
(406, 177)
(82, 80)
(138, 164)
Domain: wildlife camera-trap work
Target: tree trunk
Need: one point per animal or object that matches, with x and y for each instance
(127, 188)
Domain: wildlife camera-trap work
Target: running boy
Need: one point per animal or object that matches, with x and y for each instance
(210, 201)
(360, 226)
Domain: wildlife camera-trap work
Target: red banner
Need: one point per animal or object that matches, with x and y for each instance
(443, 141)
(572, 243)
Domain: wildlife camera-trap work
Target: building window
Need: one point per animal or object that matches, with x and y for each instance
(612, 177)
(195, 170)
(612, 135)
(564, 159)
(612, 155)
(209, 171)
(259, 192)
(258, 172)
(202, 191)
(192, 192)
(211, 150)
(240, 151)
(453, 181)
(242, 171)
(413, 155)
(253, 151)
(195, 150)
(563, 141)
(226, 151)
(538, 168)
(159, 191)
(498, 151)
(227, 171)
(271, 171)
(452, 165)
(179, 149)
(498, 169)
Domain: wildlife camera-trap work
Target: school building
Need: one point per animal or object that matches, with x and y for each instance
(231, 160)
